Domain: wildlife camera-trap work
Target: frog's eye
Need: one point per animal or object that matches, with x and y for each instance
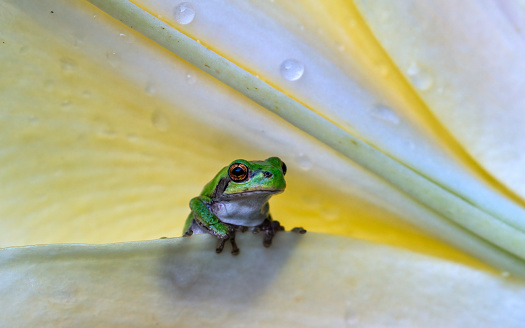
(283, 167)
(238, 172)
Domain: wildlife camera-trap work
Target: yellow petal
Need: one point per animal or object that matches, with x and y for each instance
(114, 146)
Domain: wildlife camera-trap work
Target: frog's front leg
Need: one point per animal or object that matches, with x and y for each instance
(270, 228)
(209, 222)
(204, 217)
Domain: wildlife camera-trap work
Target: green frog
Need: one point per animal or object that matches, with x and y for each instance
(237, 200)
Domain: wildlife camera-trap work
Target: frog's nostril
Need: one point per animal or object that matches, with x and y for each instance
(267, 174)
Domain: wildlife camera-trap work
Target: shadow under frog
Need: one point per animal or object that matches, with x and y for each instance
(190, 271)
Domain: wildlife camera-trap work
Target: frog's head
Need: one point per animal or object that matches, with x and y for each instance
(256, 176)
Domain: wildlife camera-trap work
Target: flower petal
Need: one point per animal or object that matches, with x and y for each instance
(465, 60)
(308, 281)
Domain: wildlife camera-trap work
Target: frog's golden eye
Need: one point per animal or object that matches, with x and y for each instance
(238, 172)
(283, 167)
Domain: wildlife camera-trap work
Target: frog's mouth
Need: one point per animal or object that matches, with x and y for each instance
(254, 192)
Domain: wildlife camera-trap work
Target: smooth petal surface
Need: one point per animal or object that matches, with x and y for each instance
(473, 82)
(498, 221)
(107, 136)
(342, 282)
(112, 118)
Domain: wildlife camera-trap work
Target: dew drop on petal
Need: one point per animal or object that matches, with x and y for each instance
(107, 134)
(292, 70)
(128, 38)
(150, 89)
(49, 85)
(351, 318)
(67, 65)
(331, 212)
(24, 50)
(191, 78)
(66, 104)
(311, 202)
(160, 121)
(419, 77)
(186, 277)
(184, 13)
(384, 113)
(303, 162)
(113, 58)
(132, 137)
(409, 144)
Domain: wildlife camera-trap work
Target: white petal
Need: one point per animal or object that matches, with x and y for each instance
(312, 280)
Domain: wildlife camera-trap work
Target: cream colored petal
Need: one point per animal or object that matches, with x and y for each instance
(313, 280)
(465, 60)
(485, 215)
(106, 137)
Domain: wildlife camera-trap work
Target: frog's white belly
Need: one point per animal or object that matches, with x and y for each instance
(248, 211)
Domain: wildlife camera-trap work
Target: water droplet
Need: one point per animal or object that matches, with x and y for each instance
(409, 144)
(191, 78)
(77, 42)
(132, 137)
(68, 65)
(33, 119)
(66, 104)
(383, 68)
(160, 121)
(108, 134)
(127, 38)
(49, 85)
(184, 13)
(331, 212)
(303, 162)
(150, 89)
(63, 295)
(351, 318)
(292, 69)
(421, 79)
(185, 277)
(113, 58)
(311, 202)
(505, 274)
(24, 50)
(384, 113)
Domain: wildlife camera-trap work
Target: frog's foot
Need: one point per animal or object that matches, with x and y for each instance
(219, 248)
(188, 233)
(270, 229)
(235, 249)
(231, 238)
(299, 230)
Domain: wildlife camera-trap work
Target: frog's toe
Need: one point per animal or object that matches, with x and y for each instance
(299, 230)
(235, 249)
(219, 248)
